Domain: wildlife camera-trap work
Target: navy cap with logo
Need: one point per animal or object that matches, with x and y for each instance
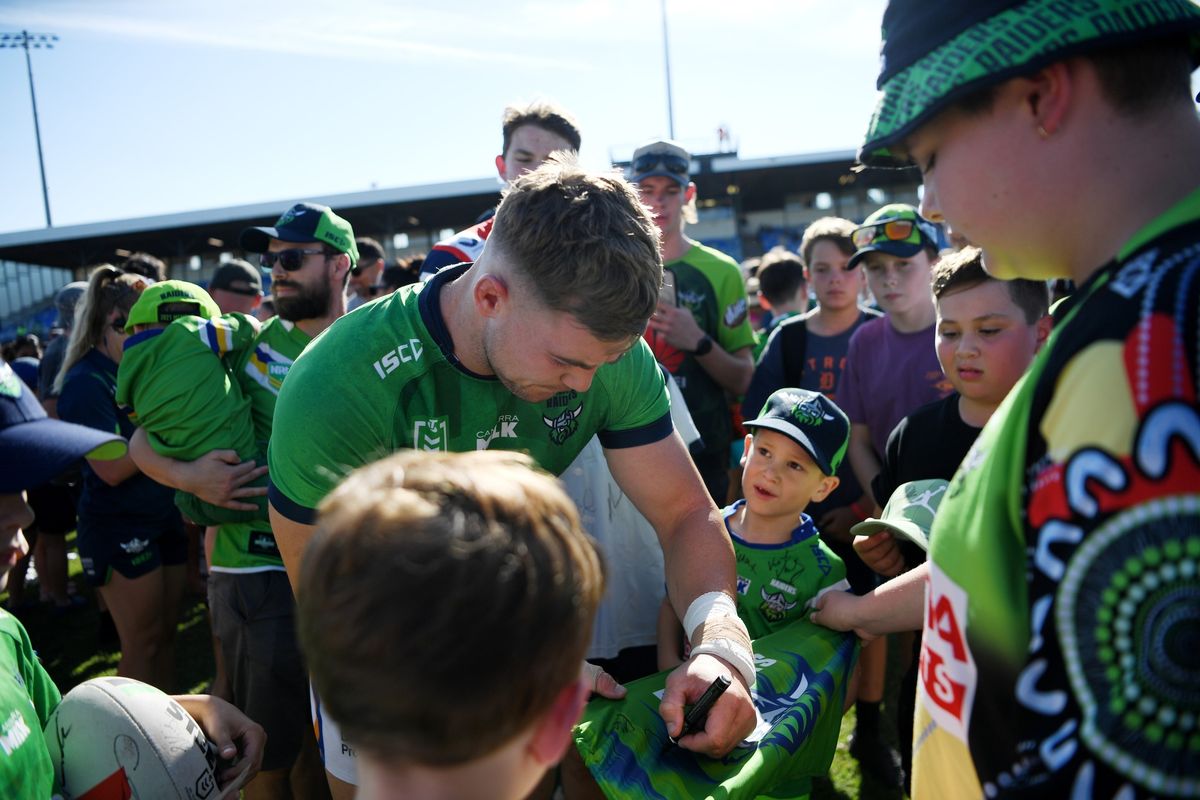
(35, 449)
(661, 157)
(305, 222)
(811, 420)
(936, 53)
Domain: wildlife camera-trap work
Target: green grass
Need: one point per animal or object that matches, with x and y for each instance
(69, 649)
(68, 643)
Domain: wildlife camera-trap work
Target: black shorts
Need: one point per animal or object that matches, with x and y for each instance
(254, 616)
(132, 551)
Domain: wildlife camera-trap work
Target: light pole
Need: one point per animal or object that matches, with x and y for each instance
(667, 61)
(26, 40)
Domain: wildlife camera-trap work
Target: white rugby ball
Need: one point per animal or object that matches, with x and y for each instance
(121, 738)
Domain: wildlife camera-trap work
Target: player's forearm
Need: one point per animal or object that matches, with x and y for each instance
(670, 637)
(698, 558)
(732, 371)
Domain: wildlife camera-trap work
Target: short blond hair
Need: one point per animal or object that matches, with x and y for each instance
(444, 602)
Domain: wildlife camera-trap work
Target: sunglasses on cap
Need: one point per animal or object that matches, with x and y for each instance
(892, 230)
(290, 260)
(676, 165)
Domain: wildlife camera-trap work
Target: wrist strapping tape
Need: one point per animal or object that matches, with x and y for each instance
(713, 628)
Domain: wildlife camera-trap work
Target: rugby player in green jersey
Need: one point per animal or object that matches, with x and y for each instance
(536, 347)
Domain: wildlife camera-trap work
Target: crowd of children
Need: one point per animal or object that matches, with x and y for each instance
(932, 451)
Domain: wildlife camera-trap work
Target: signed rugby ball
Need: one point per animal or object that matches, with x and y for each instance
(120, 738)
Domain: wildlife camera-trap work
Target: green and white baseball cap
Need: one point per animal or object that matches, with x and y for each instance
(305, 222)
(936, 53)
(909, 512)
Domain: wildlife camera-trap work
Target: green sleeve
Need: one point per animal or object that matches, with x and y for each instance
(637, 397)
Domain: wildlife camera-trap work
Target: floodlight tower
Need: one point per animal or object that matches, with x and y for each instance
(26, 40)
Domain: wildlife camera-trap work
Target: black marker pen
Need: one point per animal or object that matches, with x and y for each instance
(697, 715)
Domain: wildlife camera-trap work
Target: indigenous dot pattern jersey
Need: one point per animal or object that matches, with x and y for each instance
(709, 284)
(1059, 656)
(250, 546)
(385, 378)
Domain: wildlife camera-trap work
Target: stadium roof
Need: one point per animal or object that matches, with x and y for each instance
(760, 184)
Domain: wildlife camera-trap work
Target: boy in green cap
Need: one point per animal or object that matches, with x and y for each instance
(1062, 138)
(175, 382)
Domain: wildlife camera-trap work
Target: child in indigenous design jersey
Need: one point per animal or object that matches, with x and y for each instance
(790, 460)
(1068, 543)
(175, 383)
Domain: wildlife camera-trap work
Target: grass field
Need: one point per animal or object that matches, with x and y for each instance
(68, 645)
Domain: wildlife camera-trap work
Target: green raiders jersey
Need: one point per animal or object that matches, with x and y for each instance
(778, 583)
(27, 697)
(709, 284)
(1059, 653)
(173, 382)
(385, 378)
(246, 547)
(799, 693)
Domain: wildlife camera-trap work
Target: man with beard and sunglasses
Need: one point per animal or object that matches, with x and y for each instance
(310, 252)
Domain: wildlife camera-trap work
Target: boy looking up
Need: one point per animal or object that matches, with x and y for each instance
(790, 460)
(526, 583)
(1081, 492)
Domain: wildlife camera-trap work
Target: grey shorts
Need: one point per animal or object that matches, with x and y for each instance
(253, 614)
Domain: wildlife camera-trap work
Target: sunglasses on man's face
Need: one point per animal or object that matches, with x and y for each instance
(290, 260)
(676, 165)
(894, 230)
(118, 324)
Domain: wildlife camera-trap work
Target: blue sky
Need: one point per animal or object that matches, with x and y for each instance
(150, 107)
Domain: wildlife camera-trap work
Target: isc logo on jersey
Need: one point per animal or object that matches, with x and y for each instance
(949, 676)
(408, 352)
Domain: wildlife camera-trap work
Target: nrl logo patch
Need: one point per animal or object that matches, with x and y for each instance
(431, 434)
(565, 424)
